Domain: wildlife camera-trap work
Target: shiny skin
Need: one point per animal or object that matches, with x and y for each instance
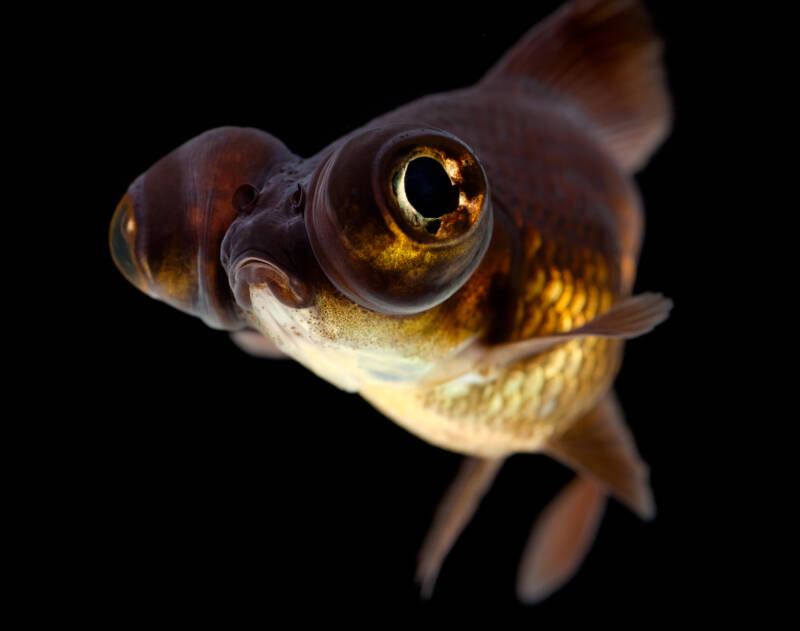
(564, 234)
(576, 235)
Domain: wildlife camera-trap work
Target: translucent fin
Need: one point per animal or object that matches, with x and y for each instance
(604, 56)
(253, 343)
(560, 540)
(629, 318)
(600, 445)
(452, 515)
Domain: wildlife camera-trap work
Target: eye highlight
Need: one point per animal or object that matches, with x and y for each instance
(435, 191)
(424, 191)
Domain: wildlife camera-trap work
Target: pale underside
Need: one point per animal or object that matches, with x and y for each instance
(516, 409)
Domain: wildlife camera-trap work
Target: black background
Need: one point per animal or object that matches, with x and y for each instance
(197, 483)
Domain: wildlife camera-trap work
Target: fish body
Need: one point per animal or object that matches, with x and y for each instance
(564, 251)
(464, 262)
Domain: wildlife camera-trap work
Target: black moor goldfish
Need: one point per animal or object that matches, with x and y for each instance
(465, 263)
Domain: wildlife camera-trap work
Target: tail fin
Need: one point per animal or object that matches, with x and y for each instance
(560, 540)
(601, 448)
(604, 55)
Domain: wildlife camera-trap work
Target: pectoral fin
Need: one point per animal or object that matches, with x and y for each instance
(629, 318)
(255, 344)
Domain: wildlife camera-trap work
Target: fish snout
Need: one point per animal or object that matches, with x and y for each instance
(258, 269)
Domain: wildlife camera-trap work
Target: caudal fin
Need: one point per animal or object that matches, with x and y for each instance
(604, 56)
(601, 448)
(560, 539)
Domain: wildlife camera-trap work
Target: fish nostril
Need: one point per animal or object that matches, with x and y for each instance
(122, 242)
(244, 198)
(298, 199)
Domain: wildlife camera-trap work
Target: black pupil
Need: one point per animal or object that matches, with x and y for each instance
(429, 189)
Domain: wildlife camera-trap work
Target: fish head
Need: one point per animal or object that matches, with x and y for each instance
(349, 261)
(166, 232)
(348, 267)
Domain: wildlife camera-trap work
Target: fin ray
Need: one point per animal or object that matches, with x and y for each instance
(452, 515)
(601, 446)
(605, 57)
(255, 344)
(560, 539)
(629, 318)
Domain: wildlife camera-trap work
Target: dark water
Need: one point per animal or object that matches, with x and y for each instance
(189, 479)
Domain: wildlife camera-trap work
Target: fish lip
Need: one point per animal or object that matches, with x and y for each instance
(254, 268)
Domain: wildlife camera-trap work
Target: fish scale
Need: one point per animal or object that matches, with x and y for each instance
(529, 400)
(569, 212)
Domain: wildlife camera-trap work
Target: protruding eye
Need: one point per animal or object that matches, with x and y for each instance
(400, 217)
(424, 191)
(167, 231)
(122, 241)
(437, 189)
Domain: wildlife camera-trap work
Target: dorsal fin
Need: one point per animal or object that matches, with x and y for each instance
(603, 55)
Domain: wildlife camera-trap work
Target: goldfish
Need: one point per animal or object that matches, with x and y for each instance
(465, 263)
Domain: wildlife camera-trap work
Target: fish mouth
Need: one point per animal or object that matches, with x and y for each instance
(256, 269)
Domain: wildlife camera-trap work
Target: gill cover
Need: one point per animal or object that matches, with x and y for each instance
(166, 232)
(399, 217)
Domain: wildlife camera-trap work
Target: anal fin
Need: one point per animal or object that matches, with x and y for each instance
(600, 445)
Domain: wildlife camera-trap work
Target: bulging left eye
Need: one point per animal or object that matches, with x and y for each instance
(424, 191)
(400, 217)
